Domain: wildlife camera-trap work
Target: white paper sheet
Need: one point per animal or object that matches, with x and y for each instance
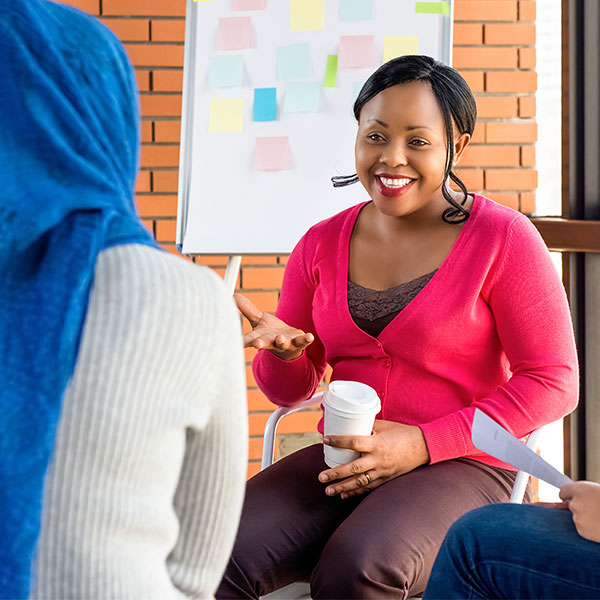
(491, 438)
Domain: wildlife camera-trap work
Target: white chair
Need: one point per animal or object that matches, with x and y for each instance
(300, 590)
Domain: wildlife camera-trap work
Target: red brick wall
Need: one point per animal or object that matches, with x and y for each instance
(494, 49)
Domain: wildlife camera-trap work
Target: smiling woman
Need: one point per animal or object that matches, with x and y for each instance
(423, 294)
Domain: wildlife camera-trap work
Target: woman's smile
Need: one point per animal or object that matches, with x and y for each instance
(393, 186)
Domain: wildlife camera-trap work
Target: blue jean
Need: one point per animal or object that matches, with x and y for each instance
(515, 551)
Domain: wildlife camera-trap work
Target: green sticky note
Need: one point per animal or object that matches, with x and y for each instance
(399, 45)
(433, 8)
(307, 15)
(331, 71)
(226, 115)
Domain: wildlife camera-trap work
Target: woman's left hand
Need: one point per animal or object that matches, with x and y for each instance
(392, 450)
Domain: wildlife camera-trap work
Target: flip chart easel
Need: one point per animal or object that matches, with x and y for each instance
(311, 57)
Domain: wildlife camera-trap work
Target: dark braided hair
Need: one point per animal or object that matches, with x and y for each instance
(454, 98)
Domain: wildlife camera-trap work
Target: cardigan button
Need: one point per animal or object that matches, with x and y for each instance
(387, 363)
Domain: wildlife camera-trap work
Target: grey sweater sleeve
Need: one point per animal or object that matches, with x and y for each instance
(145, 489)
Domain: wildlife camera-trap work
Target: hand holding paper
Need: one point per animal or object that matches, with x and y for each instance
(491, 438)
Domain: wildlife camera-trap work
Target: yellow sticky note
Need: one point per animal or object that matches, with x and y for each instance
(307, 14)
(226, 115)
(399, 45)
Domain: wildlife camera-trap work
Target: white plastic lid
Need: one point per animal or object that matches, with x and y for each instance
(352, 397)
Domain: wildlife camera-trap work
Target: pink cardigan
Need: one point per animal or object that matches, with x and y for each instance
(492, 329)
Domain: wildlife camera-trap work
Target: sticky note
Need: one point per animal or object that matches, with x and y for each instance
(294, 62)
(357, 51)
(265, 104)
(202, 0)
(331, 71)
(235, 33)
(432, 8)
(248, 4)
(272, 153)
(399, 45)
(225, 71)
(356, 87)
(226, 115)
(302, 97)
(356, 10)
(306, 14)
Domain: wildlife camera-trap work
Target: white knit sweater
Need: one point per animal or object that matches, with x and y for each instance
(143, 498)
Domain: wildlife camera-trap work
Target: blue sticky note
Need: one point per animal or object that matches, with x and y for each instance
(302, 97)
(225, 71)
(294, 62)
(265, 104)
(356, 10)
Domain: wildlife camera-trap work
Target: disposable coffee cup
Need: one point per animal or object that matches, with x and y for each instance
(350, 409)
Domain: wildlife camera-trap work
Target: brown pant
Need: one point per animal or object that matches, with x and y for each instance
(380, 545)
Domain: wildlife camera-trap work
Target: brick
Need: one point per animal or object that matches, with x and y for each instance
(209, 260)
(468, 33)
(255, 447)
(159, 8)
(528, 156)
(129, 30)
(168, 31)
(511, 179)
(149, 224)
(167, 131)
(265, 301)
(253, 468)
(527, 203)
(488, 10)
(474, 79)
(472, 178)
(165, 181)
(249, 354)
(143, 80)
(283, 260)
(523, 132)
(498, 107)
(511, 81)
(507, 199)
(256, 278)
(168, 80)
(160, 156)
(146, 131)
(258, 401)
(253, 259)
(250, 381)
(509, 34)
(157, 206)
(479, 135)
(484, 58)
(89, 6)
(527, 10)
(166, 230)
(161, 105)
(491, 156)
(527, 107)
(300, 422)
(527, 58)
(155, 55)
(143, 182)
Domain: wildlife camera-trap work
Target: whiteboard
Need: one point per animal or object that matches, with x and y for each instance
(227, 206)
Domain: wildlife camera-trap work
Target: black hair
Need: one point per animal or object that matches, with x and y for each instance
(454, 98)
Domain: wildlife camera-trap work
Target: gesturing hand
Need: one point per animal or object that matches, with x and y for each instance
(392, 450)
(270, 333)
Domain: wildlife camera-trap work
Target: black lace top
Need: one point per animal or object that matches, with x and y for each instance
(372, 310)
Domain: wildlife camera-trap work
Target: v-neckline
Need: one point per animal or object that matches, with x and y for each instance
(404, 315)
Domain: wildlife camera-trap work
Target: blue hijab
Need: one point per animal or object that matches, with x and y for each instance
(69, 131)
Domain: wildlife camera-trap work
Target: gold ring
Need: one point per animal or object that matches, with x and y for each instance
(368, 477)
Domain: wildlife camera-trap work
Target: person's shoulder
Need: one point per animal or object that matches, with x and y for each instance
(494, 218)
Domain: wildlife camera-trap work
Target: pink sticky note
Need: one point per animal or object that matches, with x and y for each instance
(248, 4)
(235, 33)
(357, 51)
(272, 153)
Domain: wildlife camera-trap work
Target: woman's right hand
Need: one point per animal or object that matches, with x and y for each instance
(270, 333)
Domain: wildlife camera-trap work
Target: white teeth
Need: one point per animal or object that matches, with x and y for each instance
(394, 183)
